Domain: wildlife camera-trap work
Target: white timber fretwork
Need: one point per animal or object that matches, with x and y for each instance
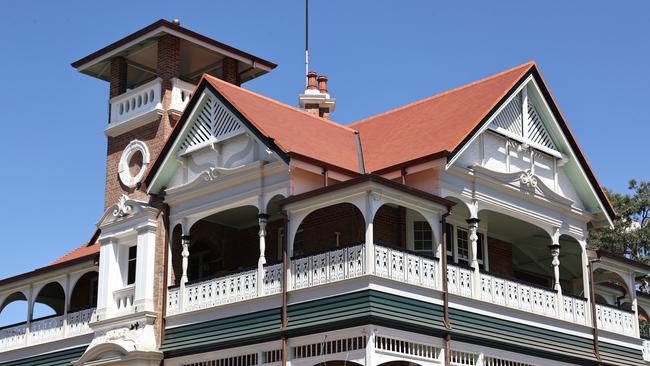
(520, 119)
(213, 123)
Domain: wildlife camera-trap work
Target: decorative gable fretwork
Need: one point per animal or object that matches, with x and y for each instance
(519, 119)
(213, 123)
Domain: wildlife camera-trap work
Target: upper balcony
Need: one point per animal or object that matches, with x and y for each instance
(143, 104)
(494, 260)
(55, 308)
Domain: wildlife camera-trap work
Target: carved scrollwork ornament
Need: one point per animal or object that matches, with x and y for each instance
(528, 179)
(122, 208)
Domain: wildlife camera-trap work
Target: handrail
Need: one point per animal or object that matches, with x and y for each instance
(521, 282)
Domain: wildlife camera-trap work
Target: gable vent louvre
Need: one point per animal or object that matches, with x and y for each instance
(510, 117)
(213, 123)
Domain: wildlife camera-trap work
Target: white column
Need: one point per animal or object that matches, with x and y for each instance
(586, 293)
(370, 345)
(185, 255)
(262, 219)
(370, 240)
(635, 305)
(472, 224)
(109, 276)
(66, 305)
(30, 311)
(145, 267)
(555, 254)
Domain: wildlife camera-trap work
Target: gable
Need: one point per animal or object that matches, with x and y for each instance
(214, 141)
(527, 134)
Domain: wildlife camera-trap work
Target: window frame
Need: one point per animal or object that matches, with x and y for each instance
(482, 241)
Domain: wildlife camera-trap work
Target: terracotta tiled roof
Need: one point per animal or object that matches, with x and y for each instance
(82, 251)
(433, 125)
(293, 129)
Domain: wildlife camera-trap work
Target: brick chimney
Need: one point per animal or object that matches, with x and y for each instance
(315, 99)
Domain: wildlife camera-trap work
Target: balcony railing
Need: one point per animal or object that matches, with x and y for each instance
(46, 330)
(143, 103)
(403, 266)
(136, 102)
(223, 290)
(615, 320)
(124, 298)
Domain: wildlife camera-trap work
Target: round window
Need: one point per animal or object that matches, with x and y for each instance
(133, 163)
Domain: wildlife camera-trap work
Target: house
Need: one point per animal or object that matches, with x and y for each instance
(240, 231)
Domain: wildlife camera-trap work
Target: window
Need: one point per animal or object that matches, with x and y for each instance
(422, 236)
(462, 243)
(458, 246)
(130, 278)
(449, 233)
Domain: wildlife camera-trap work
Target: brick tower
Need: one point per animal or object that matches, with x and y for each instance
(152, 73)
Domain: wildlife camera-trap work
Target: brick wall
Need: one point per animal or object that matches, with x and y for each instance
(500, 257)
(390, 226)
(230, 71)
(320, 228)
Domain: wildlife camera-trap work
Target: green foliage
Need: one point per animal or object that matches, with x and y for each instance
(631, 233)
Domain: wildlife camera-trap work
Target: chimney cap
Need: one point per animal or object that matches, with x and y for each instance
(176, 21)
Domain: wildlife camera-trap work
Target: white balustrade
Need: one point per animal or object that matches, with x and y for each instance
(79, 322)
(136, 102)
(46, 330)
(181, 94)
(273, 279)
(575, 309)
(13, 337)
(517, 295)
(228, 289)
(124, 298)
(406, 267)
(615, 320)
(459, 280)
(328, 267)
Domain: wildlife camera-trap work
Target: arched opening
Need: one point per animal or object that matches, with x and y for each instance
(84, 293)
(457, 245)
(400, 227)
(611, 289)
(516, 249)
(338, 363)
(49, 302)
(571, 270)
(274, 230)
(329, 228)
(176, 259)
(224, 242)
(13, 310)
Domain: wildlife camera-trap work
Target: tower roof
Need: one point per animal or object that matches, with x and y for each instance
(199, 54)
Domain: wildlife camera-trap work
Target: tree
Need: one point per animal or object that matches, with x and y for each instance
(630, 235)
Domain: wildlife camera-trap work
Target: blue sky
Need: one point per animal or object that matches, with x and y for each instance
(377, 54)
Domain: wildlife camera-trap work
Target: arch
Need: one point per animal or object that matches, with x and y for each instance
(407, 228)
(572, 272)
(13, 314)
(223, 242)
(516, 248)
(102, 351)
(84, 292)
(399, 363)
(338, 363)
(328, 228)
(461, 208)
(49, 301)
(272, 205)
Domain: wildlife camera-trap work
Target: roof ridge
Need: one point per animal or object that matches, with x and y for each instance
(320, 119)
(528, 64)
